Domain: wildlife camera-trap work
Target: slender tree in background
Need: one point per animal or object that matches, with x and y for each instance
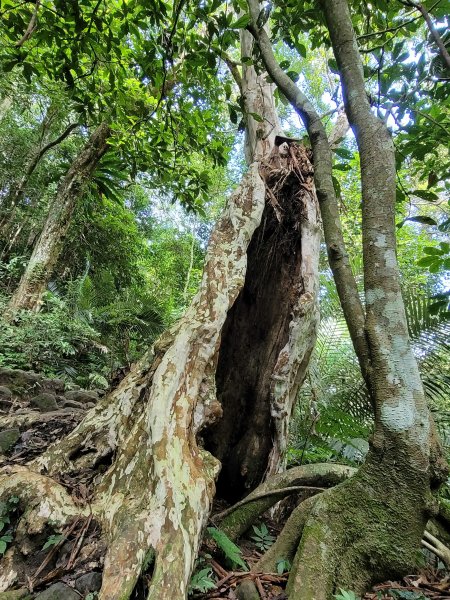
(48, 247)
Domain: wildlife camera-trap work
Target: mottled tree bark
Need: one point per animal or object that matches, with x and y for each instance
(48, 247)
(157, 431)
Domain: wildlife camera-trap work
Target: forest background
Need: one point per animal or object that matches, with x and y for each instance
(122, 136)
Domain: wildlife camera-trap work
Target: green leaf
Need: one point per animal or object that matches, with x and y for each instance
(332, 64)
(426, 261)
(301, 49)
(242, 22)
(422, 219)
(337, 186)
(444, 226)
(202, 581)
(433, 251)
(342, 167)
(283, 566)
(53, 540)
(343, 595)
(257, 117)
(343, 153)
(229, 548)
(425, 195)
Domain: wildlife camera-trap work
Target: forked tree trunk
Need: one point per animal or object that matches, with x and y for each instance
(48, 247)
(156, 429)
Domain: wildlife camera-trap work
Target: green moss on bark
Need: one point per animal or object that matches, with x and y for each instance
(365, 530)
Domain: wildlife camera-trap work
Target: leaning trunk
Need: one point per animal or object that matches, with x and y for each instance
(16, 193)
(158, 433)
(47, 249)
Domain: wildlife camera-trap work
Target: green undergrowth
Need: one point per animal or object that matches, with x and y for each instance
(51, 342)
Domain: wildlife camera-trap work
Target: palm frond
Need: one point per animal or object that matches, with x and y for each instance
(334, 381)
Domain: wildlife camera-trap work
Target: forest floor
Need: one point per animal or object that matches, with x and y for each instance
(429, 583)
(74, 559)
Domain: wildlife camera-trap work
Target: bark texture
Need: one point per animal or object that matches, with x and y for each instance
(154, 433)
(48, 247)
(370, 527)
(269, 333)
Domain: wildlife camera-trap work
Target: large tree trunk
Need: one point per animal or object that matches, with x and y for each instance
(155, 432)
(272, 311)
(370, 527)
(49, 244)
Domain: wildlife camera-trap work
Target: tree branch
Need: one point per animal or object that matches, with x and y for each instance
(31, 26)
(277, 492)
(323, 164)
(57, 140)
(395, 29)
(233, 66)
(434, 32)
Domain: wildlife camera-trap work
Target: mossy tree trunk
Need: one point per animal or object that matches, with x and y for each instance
(370, 527)
(158, 431)
(47, 248)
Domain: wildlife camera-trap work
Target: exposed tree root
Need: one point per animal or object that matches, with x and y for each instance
(361, 532)
(238, 518)
(41, 498)
(437, 547)
(41, 501)
(286, 545)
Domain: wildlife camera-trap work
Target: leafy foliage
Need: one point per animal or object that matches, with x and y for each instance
(49, 342)
(53, 540)
(7, 510)
(202, 581)
(345, 595)
(283, 566)
(262, 538)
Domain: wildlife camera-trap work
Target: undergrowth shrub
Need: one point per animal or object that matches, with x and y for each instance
(51, 342)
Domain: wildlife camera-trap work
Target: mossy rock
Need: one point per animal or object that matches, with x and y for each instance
(58, 591)
(17, 380)
(247, 591)
(44, 402)
(8, 438)
(22, 594)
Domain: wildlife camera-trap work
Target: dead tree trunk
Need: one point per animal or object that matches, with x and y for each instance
(49, 244)
(156, 431)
